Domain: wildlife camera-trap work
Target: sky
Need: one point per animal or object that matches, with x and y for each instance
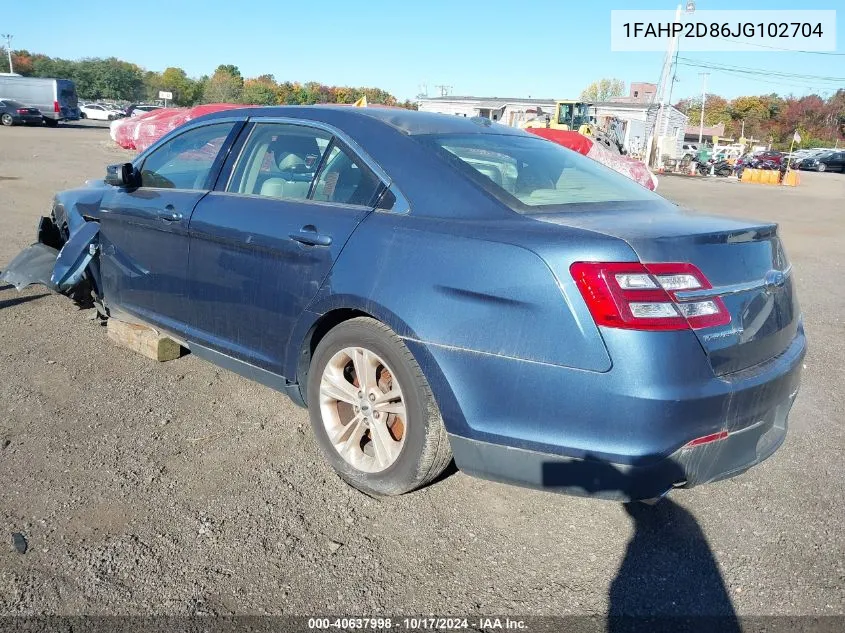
(540, 48)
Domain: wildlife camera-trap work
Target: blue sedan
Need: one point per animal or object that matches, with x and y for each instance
(434, 287)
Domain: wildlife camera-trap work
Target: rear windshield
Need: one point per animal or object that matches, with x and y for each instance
(533, 175)
(12, 104)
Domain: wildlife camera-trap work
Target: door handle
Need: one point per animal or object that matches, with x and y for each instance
(169, 214)
(308, 235)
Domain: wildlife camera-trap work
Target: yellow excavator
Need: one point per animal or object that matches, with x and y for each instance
(575, 116)
(568, 115)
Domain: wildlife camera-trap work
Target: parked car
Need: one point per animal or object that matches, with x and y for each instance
(826, 161)
(431, 285)
(770, 156)
(137, 110)
(54, 98)
(16, 113)
(98, 112)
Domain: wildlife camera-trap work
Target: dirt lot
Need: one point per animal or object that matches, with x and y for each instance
(180, 488)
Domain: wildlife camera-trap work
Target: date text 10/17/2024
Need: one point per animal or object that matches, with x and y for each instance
(417, 624)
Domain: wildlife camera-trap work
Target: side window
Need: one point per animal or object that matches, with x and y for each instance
(185, 162)
(279, 161)
(344, 179)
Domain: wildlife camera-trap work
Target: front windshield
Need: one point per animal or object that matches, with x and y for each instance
(533, 175)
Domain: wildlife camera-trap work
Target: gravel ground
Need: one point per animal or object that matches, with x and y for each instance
(180, 488)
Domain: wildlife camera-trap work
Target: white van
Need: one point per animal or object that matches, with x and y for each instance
(56, 98)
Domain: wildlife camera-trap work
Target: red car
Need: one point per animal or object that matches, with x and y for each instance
(775, 157)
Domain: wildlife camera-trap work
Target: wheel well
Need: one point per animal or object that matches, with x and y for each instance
(322, 327)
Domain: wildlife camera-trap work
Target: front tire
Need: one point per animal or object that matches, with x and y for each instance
(822, 167)
(383, 434)
(6, 119)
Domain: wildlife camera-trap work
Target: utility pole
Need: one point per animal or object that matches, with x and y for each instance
(8, 39)
(704, 77)
(444, 90)
(656, 133)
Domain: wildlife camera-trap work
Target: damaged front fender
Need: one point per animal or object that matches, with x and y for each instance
(58, 270)
(33, 265)
(75, 256)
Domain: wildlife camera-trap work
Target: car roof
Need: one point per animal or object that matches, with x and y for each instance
(411, 122)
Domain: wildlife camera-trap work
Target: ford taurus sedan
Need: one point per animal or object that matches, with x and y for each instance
(433, 286)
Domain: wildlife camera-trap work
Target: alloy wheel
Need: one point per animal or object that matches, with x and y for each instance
(363, 409)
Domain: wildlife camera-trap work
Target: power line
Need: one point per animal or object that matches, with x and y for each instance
(686, 61)
(787, 84)
(778, 48)
(796, 82)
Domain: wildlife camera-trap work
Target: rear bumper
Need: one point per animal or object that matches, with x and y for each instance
(684, 468)
(67, 114)
(620, 434)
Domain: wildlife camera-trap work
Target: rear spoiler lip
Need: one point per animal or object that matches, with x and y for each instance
(773, 278)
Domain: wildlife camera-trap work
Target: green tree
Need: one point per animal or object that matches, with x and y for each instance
(261, 90)
(224, 86)
(175, 80)
(716, 111)
(603, 90)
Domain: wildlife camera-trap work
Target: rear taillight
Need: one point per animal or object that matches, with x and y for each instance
(56, 107)
(638, 296)
(22, 111)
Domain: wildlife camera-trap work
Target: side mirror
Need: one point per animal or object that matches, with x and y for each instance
(121, 175)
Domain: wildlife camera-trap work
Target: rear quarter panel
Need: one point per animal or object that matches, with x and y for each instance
(478, 286)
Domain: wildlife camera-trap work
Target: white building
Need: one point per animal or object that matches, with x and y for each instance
(509, 111)
(637, 120)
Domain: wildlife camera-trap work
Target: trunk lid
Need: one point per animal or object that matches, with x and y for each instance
(743, 260)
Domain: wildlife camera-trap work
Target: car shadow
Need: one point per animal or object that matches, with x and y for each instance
(669, 579)
(8, 303)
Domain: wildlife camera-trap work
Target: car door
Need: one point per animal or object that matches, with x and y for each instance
(144, 229)
(263, 242)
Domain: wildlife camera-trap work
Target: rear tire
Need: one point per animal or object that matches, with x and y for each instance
(6, 119)
(51, 122)
(383, 435)
(82, 115)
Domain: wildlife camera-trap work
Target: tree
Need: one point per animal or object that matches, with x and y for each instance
(175, 80)
(224, 86)
(21, 62)
(715, 111)
(603, 90)
(229, 69)
(261, 90)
